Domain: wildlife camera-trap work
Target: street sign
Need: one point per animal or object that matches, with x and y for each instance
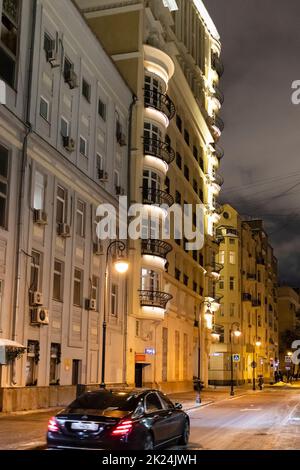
(236, 357)
(288, 359)
(253, 364)
(150, 351)
(288, 368)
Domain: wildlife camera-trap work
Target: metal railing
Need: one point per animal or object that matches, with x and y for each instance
(159, 149)
(160, 101)
(156, 247)
(152, 298)
(157, 197)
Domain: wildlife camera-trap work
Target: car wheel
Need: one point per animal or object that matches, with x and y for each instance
(148, 443)
(184, 439)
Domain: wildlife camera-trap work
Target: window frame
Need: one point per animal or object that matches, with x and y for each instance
(60, 274)
(83, 139)
(82, 214)
(86, 87)
(77, 281)
(5, 180)
(47, 119)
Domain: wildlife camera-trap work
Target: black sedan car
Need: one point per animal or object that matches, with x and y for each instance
(119, 419)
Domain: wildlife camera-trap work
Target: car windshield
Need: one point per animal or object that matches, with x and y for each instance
(105, 401)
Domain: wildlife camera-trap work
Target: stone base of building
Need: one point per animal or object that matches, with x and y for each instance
(172, 387)
(218, 383)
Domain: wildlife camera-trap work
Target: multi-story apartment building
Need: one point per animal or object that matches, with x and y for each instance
(248, 291)
(63, 134)
(169, 53)
(288, 323)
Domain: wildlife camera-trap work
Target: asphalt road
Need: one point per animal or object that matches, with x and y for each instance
(255, 421)
(267, 420)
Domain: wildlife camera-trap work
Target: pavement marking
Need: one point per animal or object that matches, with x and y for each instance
(215, 403)
(251, 409)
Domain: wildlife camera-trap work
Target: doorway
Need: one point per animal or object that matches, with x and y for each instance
(76, 371)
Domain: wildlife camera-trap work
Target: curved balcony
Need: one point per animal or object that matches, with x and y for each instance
(152, 298)
(219, 95)
(217, 64)
(157, 197)
(213, 269)
(216, 125)
(161, 102)
(218, 152)
(159, 149)
(154, 247)
(218, 179)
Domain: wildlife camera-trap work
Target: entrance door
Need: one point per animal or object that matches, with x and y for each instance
(76, 369)
(139, 375)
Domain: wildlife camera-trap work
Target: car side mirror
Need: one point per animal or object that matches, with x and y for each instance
(178, 406)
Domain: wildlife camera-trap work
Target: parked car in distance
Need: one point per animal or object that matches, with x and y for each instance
(119, 419)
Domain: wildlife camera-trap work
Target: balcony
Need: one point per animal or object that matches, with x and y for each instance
(260, 260)
(157, 197)
(218, 179)
(156, 299)
(155, 247)
(159, 101)
(159, 149)
(213, 269)
(219, 95)
(218, 151)
(246, 297)
(217, 64)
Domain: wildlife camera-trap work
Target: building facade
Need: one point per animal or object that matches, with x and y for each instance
(247, 289)
(289, 325)
(63, 150)
(169, 54)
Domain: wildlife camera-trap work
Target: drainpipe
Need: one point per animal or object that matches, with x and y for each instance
(132, 104)
(16, 301)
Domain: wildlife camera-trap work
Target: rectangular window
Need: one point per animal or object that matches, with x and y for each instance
(54, 362)
(39, 191)
(232, 257)
(64, 127)
(35, 272)
(114, 300)
(61, 205)
(9, 41)
(177, 197)
(86, 90)
(202, 164)
(195, 186)
(68, 67)
(4, 168)
(95, 289)
(195, 152)
(186, 172)
(167, 184)
(80, 218)
(78, 285)
(231, 241)
(221, 257)
(221, 283)
(231, 283)
(83, 146)
(185, 280)
(48, 43)
(221, 310)
(179, 122)
(178, 160)
(186, 136)
(99, 162)
(102, 109)
(177, 274)
(58, 281)
(231, 309)
(44, 108)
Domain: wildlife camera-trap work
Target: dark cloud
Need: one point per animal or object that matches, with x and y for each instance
(261, 54)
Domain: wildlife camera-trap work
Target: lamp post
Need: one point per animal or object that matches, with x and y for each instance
(236, 333)
(257, 343)
(121, 265)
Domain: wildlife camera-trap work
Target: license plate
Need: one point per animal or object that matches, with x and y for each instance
(82, 426)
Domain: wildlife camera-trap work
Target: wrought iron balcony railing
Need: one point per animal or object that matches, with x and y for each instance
(217, 64)
(159, 149)
(156, 247)
(161, 102)
(214, 267)
(157, 197)
(153, 298)
(219, 95)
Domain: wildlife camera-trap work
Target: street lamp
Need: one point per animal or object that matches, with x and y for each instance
(121, 266)
(236, 332)
(254, 363)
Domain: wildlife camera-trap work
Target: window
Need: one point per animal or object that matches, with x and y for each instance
(195, 186)
(58, 281)
(195, 255)
(64, 127)
(185, 280)
(201, 259)
(221, 310)
(186, 136)
(35, 272)
(32, 360)
(114, 300)
(195, 152)
(177, 274)
(78, 284)
(95, 289)
(48, 43)
(179, 122)
(202, 164)
(83, 146)
(178, 160)
(221, 283)
(231, 241)
(167, 184)
(39, 191)
(186, 172)
(80, 218)
(55, 352)
(150, 280)
(221, 257)
(68, 67)
(152, 403)
(3, 186)
(177, 197)
(195, 286)
(231, 283)
(61, 205)
(116, 179)
(231, 309)
(102, 109)
(86, 90)
(44, 108)
(99, 162)
(258, 276)
(9, 41)
(232, 257)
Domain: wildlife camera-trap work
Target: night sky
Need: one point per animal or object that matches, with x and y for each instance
(261, 55)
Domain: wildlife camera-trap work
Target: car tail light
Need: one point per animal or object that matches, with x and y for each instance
(123, 428)
(53, 425)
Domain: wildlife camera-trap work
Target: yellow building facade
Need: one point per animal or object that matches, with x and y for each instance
(248, 294)
(169, 54)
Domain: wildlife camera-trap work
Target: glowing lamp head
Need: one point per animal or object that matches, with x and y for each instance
(215, 336)
(289, 353)
(258, 343)
(237, 333)
(121, 265)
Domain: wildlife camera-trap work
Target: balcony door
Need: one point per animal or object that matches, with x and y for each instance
(150, 280)
(152, 138)
(153, 90)
(151, 180)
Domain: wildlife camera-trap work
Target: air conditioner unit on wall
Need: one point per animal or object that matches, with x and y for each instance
(39, 316)
(68, 143)
(40, 217)
(90, 304)
(64, 230)
(36, 298)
